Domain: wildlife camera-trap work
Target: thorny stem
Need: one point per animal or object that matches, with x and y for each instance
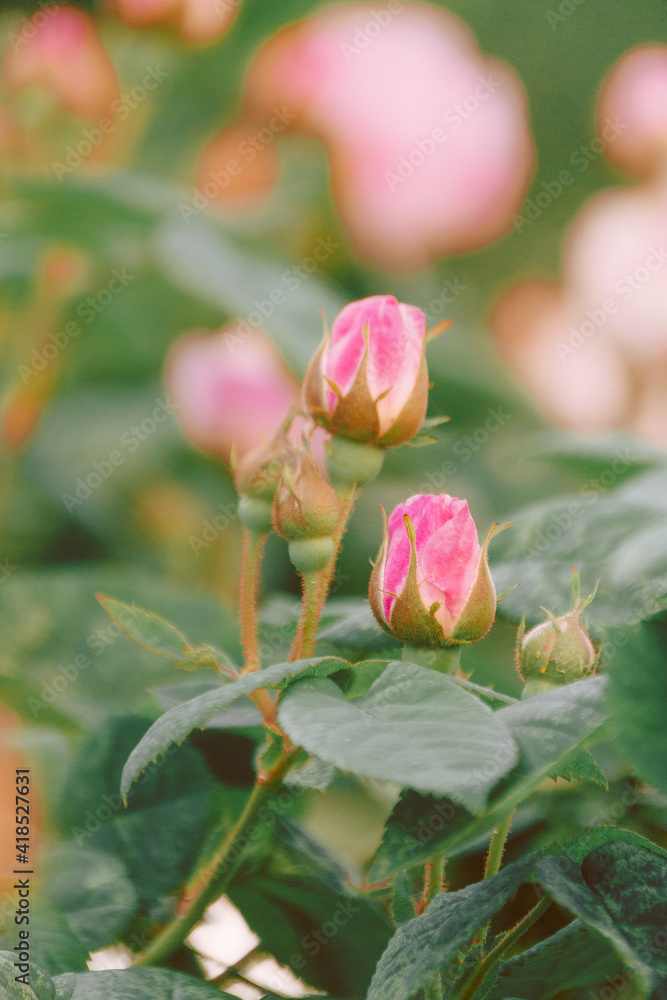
(316, 588)
(493, 862)
(497, 846)
(434, 882)
(211, 881)
(311, 609)
(253, 544)
(502, 947)
(434, 878)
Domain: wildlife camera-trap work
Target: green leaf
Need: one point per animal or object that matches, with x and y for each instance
(314, 774)
(620, 892)
(39, 985)
(174, 725)
(53, 946)
(618, 538)
(428, 943)
(582, 768)
(632, 883)
(142, 984)
(573, 957)
(636, 660)
(579, 848)
(146, 629)
(159, 834)
(203, 259)
(356, 629)
(295, 896)
(550, 729)
(92, 891)
(414, 727)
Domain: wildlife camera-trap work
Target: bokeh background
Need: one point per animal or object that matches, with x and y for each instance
(113, 250)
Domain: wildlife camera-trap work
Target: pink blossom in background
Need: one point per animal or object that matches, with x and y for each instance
(66, 57)
(615, 267)
(635, 95)
(448, 554)
(198, 21)
(593, 351)
(429, 140)
(582, 383)
(229, 390)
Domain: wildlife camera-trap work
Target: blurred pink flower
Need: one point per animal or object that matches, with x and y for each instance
(581, 382)
(615, 268)
(428, 139)
(60, 50)
(635, 95)
(229, 390)
(199, 21)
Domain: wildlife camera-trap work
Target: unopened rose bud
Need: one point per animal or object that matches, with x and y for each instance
(305, 504)
(431, 584)
(62, 52)
(559, 650)
(368, 381)
(231, 389)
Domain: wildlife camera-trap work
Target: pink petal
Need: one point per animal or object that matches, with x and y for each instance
(447, 547)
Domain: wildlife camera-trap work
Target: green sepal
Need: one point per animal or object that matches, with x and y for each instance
(479, 612)
(410, 621)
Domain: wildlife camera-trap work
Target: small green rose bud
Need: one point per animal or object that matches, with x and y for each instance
(559, 650)
(310, 555)
(306, 505)
(255, 515)
(258, 473)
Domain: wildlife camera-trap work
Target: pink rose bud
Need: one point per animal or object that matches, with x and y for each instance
(305, 503)
(61, 51)
(368, 381)
(632, 112)
(230, 390)
(428, 139)
(431, 584)
(559, 650)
